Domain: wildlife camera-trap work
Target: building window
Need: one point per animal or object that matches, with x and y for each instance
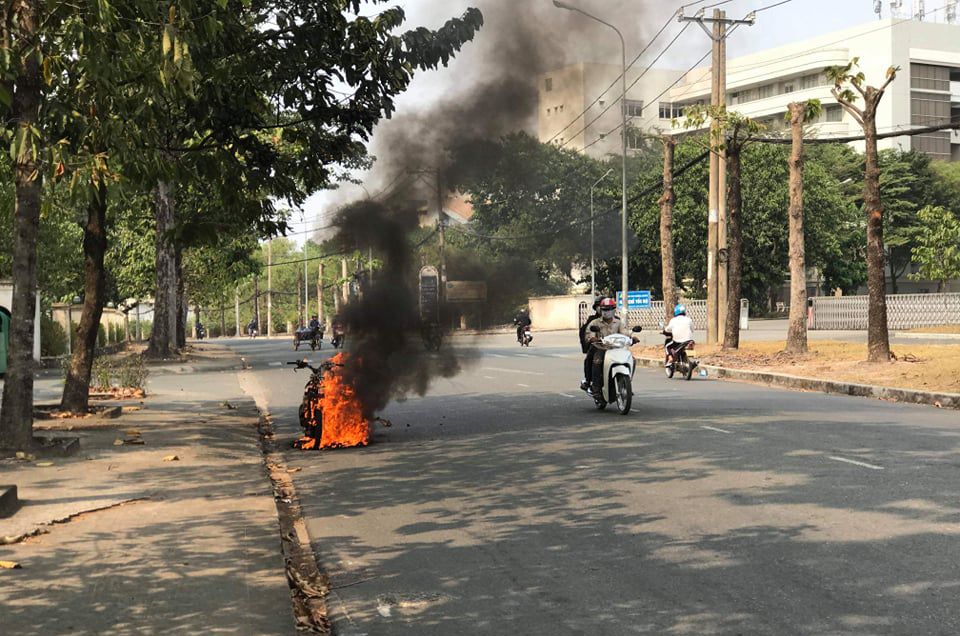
(810, 81)
(666, 110)
(548, 84)
(833, 112)
(634, 108)
(788, 87)
(765, 91)
(930, 77)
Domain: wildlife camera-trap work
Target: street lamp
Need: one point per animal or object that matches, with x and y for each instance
(593, 280)
(624, 282)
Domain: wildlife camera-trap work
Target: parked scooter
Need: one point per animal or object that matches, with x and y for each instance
(526, 336)
(618, 367)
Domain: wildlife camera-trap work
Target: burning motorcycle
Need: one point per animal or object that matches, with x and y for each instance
(618, 367)
(331, 413)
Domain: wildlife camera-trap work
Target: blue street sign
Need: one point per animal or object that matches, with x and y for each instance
(635, 299)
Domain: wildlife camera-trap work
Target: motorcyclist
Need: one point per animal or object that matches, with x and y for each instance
(314, 326)
(679, 330)
(522, 320)
(608, 324)
(585, 344)
(252, 327)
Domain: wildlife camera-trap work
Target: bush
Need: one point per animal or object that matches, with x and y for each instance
(132, 373)
(53, 339)
(101, 336)
(101, 375)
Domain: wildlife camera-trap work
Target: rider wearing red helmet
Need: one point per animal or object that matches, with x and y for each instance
(608, 324)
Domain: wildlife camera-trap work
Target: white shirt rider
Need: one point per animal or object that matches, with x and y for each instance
(681, 328)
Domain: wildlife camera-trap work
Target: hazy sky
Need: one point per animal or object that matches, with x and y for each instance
(561, 37)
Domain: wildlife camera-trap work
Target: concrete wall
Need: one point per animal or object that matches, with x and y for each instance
(61, 312)
(556, 312)
(6, 300)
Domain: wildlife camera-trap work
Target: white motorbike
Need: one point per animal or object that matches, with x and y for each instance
(618, 366)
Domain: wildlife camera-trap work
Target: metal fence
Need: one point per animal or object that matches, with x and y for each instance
(654, 315)
(904, 311)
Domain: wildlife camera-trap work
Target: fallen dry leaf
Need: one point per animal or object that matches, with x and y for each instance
(44, 464)
(938, 405)
(27, 456)
(118, 442)
(133, 431)
(171, 458)
(9, 565)
(294, 470)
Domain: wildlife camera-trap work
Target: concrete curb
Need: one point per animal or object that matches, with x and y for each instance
(945, 400)
(926, 336)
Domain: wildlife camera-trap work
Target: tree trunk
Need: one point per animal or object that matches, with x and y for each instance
(223, 318)
(181, 302)
(16, 415)
(163, 340)
(797, 330)
(878, 338)
(76, 389)
(667, 265)
(731, 336)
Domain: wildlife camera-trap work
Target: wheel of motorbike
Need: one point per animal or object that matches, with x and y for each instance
(668, 368)
(687, 366)
(296, 343)
(624, 393)
(313, 345)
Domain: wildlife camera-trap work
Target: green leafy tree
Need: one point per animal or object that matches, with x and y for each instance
(938, 248)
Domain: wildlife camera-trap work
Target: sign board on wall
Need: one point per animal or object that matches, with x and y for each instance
(429, 292)
(466, 290)
(635, 299)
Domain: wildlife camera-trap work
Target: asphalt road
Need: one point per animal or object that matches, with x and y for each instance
(503, 502)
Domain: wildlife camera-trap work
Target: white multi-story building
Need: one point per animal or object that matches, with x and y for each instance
(925, 92)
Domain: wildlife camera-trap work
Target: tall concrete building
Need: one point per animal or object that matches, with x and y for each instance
(760, 85)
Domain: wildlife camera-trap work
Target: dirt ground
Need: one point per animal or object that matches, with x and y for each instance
(920, 367)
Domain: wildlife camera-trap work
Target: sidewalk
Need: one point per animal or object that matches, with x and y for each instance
(163, 522)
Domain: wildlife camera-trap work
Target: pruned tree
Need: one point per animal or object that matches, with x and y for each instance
(798, 114)
(847, 85)
(667, 199)
(738, 132)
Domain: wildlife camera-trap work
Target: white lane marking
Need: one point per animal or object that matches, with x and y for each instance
(854, 462)
(274, 364)
(488, 377)
(496, 355)
(511, 371)
(713, 428)
(568, 395)
(526, 386)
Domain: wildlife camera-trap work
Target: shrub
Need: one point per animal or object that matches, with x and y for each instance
(101, 336)
(101, 375)
(53, 339)
(132, 372)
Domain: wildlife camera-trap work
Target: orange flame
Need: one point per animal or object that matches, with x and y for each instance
(343, 421)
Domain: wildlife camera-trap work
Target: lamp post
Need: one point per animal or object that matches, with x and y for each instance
(624, 282)
(593, 280)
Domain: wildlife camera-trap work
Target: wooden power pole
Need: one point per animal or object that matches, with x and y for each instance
(716, 225)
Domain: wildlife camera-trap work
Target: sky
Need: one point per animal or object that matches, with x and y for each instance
(523, 37)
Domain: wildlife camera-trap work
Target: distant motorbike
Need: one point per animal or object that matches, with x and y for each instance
(432, 336)
(618, 367)
(526, 336)
(312, 336)
(681, 361)
(201, 332)
(338, 337)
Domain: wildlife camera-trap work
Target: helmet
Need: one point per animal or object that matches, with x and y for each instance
(608, 303)
(314, 316)
(679, 309)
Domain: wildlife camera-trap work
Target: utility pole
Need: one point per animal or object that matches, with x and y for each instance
(717, 194)
(236, 307)
(269, 287)
(320, 293)
(440, 226)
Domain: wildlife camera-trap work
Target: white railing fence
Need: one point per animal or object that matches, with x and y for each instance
(904, 311)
